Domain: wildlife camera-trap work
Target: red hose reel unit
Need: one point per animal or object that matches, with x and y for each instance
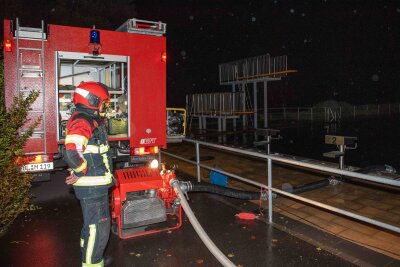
(143, 202)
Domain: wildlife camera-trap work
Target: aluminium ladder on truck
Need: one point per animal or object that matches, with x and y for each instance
(143, 27)
(30, 75)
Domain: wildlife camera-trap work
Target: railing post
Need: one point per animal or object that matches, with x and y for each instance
(341, 158)
(198, 161)
(284, 112)
(298, 113)
(270, 190)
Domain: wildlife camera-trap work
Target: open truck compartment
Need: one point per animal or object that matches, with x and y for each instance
(111, 70)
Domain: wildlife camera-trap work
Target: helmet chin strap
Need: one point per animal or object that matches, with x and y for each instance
(83, 108)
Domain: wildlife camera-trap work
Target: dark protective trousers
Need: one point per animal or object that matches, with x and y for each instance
(96, 223)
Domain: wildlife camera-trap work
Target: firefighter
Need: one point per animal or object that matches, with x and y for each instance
(88, 156)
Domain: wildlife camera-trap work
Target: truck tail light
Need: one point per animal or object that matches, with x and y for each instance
(34, 159)
(7, 46)
(137, 151)
(39, 158)
(164, 57)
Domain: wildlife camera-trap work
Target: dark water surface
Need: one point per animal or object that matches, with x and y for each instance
(378, 140)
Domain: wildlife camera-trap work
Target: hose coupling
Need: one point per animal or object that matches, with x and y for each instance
(264, 195)
(174, 182)
(185, 186)
(333, 181)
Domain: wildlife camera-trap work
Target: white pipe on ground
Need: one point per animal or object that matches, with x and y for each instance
(197, 227)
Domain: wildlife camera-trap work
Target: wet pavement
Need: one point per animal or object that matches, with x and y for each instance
(49, 236)
(370, 201)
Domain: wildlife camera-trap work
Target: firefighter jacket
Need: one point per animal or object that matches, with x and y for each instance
(87, 150)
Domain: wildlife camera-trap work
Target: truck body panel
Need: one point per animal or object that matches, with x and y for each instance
(146, 80)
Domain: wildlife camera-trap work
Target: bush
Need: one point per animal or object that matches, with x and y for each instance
(14, 185)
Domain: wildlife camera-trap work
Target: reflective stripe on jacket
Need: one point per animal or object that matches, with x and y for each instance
(87, 150)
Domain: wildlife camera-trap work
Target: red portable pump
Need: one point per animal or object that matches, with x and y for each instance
(143, 202)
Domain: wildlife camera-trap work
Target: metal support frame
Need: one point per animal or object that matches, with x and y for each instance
(198, 162)
(265, 104)
(233, 101)
(255, 104)
(341, 158)
(277, 158)
(244, 116)
(219, 129)
(269, 169)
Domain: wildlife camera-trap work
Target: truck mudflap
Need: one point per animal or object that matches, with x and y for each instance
(41, 177)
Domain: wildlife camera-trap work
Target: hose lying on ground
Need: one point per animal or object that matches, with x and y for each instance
(186, 186)
(248, 195)
(175, 184)
(307, 187)
(225, 191)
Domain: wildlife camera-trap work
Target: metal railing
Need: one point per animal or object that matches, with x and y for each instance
(332, 113)
(253, 68)
(229, 104)
(277, 158)
(215, 104)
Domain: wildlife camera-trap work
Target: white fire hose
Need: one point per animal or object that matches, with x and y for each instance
(197, 227)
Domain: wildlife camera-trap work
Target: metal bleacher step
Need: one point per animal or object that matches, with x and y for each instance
(333, 154)
(261, 143)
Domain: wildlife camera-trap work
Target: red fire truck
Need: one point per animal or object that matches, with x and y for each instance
(54, 59)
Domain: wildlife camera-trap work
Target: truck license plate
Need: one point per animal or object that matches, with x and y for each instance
(36, 167)
(140, 159)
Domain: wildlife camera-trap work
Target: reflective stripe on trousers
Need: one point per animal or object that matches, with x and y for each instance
(100, 264)
(96, 228)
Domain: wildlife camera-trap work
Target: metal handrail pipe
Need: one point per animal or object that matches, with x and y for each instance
(340, 211)
(361, 176)
(217, 170)
(302, 164)
(293, 196)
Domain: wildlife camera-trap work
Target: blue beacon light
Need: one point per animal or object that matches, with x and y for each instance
(94, 42)
(94, 36)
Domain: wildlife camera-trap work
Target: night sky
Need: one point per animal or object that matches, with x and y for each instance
(343, 50)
